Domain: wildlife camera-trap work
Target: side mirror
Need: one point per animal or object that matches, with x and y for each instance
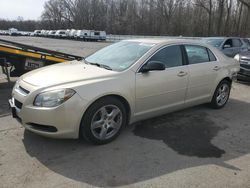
(153, 66)
(227, 46)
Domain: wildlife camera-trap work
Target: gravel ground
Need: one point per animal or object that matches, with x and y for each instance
(196, 147)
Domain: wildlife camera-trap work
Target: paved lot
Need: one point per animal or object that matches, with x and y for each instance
(196, 147)
(61, 45)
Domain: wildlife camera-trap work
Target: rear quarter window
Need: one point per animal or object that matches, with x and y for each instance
(211, 55)
(237, 43)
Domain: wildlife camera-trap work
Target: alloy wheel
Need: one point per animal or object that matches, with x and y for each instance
(106, 122)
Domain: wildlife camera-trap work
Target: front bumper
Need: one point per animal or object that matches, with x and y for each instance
(243, 74)
(62, 121)
(242, 77)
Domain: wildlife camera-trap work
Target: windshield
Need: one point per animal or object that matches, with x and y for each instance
(214, 42)
(121, 55)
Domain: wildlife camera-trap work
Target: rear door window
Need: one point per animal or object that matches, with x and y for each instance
(237, 43)
(197, 54)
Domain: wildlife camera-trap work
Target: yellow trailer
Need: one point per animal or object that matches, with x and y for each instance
(24, 58)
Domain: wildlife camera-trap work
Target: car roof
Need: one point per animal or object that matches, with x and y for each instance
(223, 38)
(165, 40)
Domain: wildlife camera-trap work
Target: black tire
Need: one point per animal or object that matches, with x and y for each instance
(214, 103)
(85, 128)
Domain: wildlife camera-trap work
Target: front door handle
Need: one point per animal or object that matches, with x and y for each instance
(182, 73)
(216, 68)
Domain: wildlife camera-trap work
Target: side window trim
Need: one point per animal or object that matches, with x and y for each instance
(165, 46)
(227, 41)
(210, 51)
(241, 43)
(208, 55)
(185, 60)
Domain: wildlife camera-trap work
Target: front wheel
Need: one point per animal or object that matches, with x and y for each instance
(103, 121)
(221, 94)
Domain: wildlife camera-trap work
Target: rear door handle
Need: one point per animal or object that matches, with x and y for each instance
(182, 73)
(216, 68)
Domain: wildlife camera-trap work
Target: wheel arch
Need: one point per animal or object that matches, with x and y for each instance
(227, 78)
(124, 102)
(117, 96)
(212, 103)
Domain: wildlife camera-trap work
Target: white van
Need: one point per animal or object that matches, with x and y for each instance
(60, 34)
(37, 33)
(51, 33)
(43, 33)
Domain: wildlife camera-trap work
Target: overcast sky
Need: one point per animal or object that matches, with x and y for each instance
(28, 9)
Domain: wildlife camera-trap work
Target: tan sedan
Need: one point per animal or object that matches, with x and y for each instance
(125, 82)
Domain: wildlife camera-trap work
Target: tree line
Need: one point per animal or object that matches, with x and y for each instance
(144, 17)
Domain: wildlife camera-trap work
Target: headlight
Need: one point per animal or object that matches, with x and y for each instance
(237, 57)
(53, 98)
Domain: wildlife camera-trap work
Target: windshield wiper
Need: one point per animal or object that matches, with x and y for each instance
(101, 65)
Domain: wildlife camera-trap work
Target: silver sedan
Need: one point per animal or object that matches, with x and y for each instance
(123, 83)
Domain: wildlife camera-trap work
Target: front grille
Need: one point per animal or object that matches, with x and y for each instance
(246, 66)
(18, 104)
(244, 72)
(245, 59)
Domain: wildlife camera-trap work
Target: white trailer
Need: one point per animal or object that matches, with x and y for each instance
(13, 32)
(82, 34)
(96, 35)
(72, 33)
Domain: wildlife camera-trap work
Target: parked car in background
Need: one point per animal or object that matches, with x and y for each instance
(37, 33)
(229, 46)
(123, 83)
(4, 32)
(46, 33)
(25, 33)
(244, 59)
(51, 33)
(43, 32)
(85, 35)
(60, 34)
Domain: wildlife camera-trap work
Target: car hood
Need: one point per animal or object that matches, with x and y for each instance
(245, 55)
(63, 73)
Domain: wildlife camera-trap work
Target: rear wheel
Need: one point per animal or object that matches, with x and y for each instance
(103, 121)
(221, 94)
